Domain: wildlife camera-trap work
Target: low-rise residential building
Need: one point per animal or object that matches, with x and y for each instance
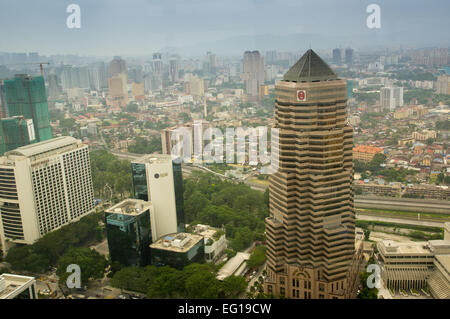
(365, 153)
(215, 241)
(427, 191)
(379, 189)
(424, 135)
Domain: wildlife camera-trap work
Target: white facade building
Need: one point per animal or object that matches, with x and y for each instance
(11, 286)
(43, 186)
(157, 179)
(215, 241)
(391, 98)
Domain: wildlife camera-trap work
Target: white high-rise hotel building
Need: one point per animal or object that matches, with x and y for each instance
(43, 186)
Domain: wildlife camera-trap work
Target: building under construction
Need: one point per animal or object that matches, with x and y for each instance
(25, 96)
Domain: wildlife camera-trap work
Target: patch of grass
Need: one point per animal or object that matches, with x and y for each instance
(367, 223)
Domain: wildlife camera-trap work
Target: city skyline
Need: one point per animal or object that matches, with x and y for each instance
(225, 150)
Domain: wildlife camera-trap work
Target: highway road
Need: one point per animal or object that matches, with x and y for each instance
(406, 221)
(414, 205)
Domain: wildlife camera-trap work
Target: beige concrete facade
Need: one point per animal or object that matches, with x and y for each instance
(43, 187)
(311, 227)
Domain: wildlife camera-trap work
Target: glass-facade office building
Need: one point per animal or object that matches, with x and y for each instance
(129, 234)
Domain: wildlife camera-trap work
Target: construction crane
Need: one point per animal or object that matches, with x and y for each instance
(40, 65)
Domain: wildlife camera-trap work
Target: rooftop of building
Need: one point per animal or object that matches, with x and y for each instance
(205, 231)
(153, 158)
(10, 284)
(232, 265)
(390, 247)
(131, 206)
(444, 260)
(23, 76)
(439, 246)
(177, 242)
(310, 68)
(44, 146)
(367, 149)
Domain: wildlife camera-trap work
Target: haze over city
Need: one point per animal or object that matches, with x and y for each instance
(111, 27)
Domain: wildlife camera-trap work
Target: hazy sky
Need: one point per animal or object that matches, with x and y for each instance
(140, 27)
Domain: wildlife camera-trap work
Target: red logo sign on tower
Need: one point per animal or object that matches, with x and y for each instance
(301, 95)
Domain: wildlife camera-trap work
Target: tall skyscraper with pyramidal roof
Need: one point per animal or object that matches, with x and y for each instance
(311, 227)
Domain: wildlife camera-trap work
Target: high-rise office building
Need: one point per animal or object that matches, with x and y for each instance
(117, 66)
(157, 65)
(158, 179)
(173, 70)
(54, 90)
(137, 74)
(25, 96)
(443, 84)
(75, 77)
(130, 229)
(210, 63)
(337, 56)
(271, 57)
(118, 91)
(44, 186)
(67, 80)
(349, 56)
(155, 78)
(3, 107)
(311, 227)
(98, 75)
(253, 72)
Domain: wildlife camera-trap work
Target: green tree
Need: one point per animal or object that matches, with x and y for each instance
(165, 284)
(366, 292)
(92, 264)
(202, 285)
(132, 108)
(266, 197)
(257, 258)
(233, 286)
(144, 146)
(67, 123)
(194, 204)
(185, 117)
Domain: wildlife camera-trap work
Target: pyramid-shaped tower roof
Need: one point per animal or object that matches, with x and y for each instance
(310, 68)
